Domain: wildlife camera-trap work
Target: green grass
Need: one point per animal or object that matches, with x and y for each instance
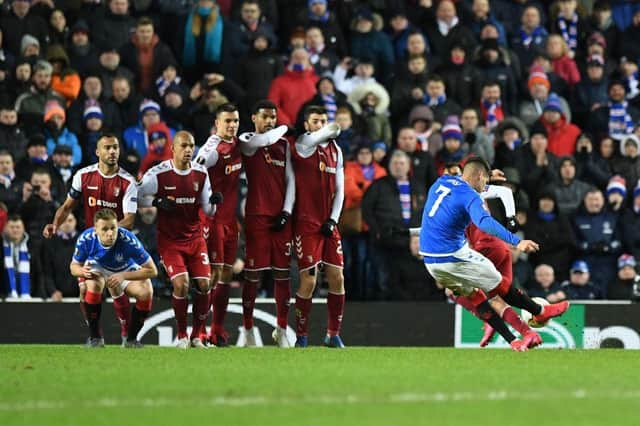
(56, 385)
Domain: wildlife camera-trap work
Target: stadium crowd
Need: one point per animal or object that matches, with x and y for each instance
(547, 91)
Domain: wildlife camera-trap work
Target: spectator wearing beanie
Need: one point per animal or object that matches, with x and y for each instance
(492, 68)
(631, 225)
(29, 47)
(453, 149)
(628, 163)
(627, 281)
(93, 121)
(537, 166)
(159, 148)
(83, 55)
(56, 133)
(562, 135)
(539, 88)
(510, 136)
(136, 137)
(176, 106)
(616, 193)
(570, 190)
(64, 79)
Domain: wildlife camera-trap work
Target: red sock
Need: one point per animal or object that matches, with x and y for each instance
(303, 308)
(200, 313)
(180, 306)
(93, 305)
(511, 318)
(123, 312)
(249, 293)
(335, 309)
(220, 303)
(282, 294)
(467, 304)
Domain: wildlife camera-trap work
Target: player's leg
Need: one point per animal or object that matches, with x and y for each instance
(200, 271)
(309, 252)
(82, 291)
(142, 292)
(258, 259)
(93, 305)
(281, 245)
(222, 273)
(332, 257)
(173, 260)
(122, 308)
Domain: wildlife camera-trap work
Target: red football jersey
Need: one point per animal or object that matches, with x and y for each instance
(315, 183)
(481, 240)
(188, 188)
(266, 179)
(223, 161)
(96, 191)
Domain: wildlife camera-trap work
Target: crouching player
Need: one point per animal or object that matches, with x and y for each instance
(107, 255)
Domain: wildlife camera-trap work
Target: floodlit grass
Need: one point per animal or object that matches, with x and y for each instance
(60, 385)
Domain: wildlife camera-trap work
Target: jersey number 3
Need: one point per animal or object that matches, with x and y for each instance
(443, 191)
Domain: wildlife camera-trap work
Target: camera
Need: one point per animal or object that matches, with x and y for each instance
(36, 189)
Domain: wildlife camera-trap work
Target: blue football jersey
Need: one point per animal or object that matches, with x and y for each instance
(126, 252)
(451, 204)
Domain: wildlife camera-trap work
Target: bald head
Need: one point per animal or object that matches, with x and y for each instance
(183, 136)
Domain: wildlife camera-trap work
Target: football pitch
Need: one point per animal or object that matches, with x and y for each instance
(69, 385)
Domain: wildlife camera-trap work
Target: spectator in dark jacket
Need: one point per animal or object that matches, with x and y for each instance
(391, 206)
(423, 168)
(323, 58)
(629, 45)
(408, 88)
(491, 67)
(57, 251)
(367, 39)
(318, 14)
(116, 27)
(579, 285)
(83, 55)
(126, 102)
(410, 280)
(435, 97)
(18, 22)
(461, 78)
(626, 286)
(242, 32)
(552, 230)
(616, 117)
(530, 37)
(511, 135)
(545, 285)
(109, 68)
(10, 184)
(631, 225)
(538, 167)
(92, 94)
(628, 163)
(12, 137)
(146, 56)
(592, 167)
(598, 238)
(569, 190)
(591, 92)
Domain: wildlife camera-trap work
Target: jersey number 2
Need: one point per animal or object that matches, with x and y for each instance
(443, 191)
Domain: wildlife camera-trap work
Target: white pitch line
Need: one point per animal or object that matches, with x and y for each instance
(350, 399)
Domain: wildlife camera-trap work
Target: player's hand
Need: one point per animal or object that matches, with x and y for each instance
(88, 273)
(49, 230)
(280, 221)
(512, 224)
(115, 280)
(328, 227)
(528, 246)
(497, 176)
(164, 203)
(216, 198)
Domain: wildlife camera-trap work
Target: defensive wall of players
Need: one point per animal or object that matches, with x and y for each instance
(589, 325)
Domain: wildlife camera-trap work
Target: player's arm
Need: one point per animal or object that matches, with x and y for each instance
(483, 220)
(506, 196)
(290, 181)
(329, 226)
(208, 154)
(208, 199)
(129, 206)
(306, 144)
(250, 142)
(78, 266)
(147, 189)
(61, 215)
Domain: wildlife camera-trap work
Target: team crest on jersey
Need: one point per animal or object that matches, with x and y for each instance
(119, 257)
(196, 185)
(116, 191)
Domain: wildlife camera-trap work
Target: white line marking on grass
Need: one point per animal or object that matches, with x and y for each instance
(240, 401)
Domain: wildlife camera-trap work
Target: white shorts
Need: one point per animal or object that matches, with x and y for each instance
(106, 273)
(463, 271)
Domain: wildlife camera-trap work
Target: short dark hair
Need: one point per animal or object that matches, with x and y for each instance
(436, 79)
(104, 214)
(108, 136)
(14, 217)
(4, 152)
(144, 20)
(490, 83)
(226, 107)
(478, 163)
(263, 104)
(41, 171)
(314, 109)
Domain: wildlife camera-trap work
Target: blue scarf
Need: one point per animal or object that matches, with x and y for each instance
(23, 268)
(330, 106)
(322, 19)
(368, 172)
(620, 122)
(547, 217)
(537, 36)
(404, 188)
(570, 33)
(162, 85)
(491, 108)
(427, 100)
(212, 42)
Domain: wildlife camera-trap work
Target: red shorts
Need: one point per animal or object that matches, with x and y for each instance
(313, 248)
(267, 249)
(222, 240)
(189, 257)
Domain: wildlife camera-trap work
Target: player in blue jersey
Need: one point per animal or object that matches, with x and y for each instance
(453, 202)
(107, 255)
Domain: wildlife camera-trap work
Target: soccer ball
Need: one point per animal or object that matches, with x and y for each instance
(528, 318)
